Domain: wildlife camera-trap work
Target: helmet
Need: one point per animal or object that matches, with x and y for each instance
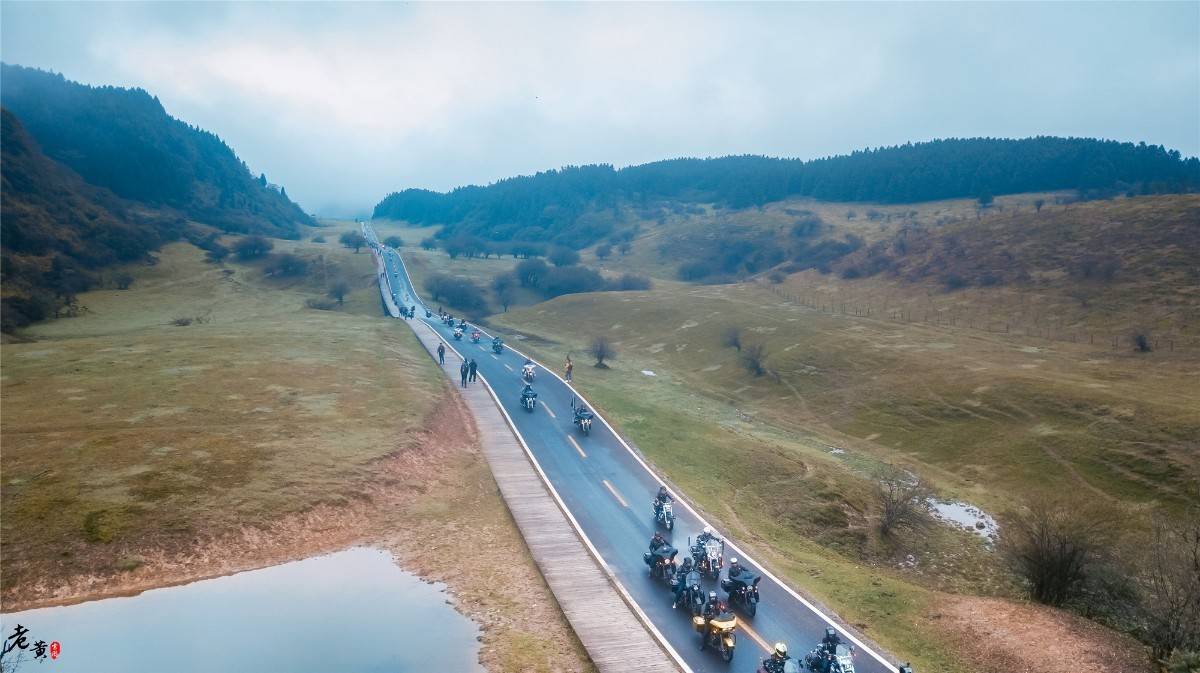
(781, 649)
(708, 530)
(733, 561)
(829, 632)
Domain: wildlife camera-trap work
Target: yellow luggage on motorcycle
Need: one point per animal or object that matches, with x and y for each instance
(698, 623)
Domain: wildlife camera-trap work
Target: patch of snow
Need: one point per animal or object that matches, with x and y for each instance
(647, 372)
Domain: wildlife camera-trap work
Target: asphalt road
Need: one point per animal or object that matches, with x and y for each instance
(609, 490)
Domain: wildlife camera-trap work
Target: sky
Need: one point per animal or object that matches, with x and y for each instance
(343, 103)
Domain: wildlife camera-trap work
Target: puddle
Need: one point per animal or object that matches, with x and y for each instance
(352, 611)
(965, 516)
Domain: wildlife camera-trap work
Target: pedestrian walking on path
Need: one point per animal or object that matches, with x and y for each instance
(441, 354)
(570, 368)
(473, 367)
(463, 369)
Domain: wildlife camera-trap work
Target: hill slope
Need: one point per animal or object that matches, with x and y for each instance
(56, 228)
(124, 140)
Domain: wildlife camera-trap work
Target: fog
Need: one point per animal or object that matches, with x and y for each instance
(344, 103)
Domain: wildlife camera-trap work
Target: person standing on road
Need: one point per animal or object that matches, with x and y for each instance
(463, 369)
(570, 368)
(473, 367)
(441, 354)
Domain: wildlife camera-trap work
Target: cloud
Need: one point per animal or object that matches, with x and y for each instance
(345, 102)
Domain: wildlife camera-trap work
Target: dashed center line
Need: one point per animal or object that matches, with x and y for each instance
(508, 367)
(754, 635)
(576, 445)
(494, 356)
(616, 495)
(547, 408)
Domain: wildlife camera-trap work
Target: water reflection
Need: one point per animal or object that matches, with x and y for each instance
(353, 611)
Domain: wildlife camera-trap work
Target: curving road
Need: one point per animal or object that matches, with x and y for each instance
(608, 490)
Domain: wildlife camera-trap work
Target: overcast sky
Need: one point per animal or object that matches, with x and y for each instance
(343, 103)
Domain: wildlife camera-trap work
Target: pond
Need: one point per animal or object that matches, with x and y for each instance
(352, 611)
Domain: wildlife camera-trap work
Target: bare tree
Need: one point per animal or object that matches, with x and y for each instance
(902, 498)
(1054, 545)
(754, 357)
(602, 349)
(732, 337)
(1172, 586)
(1037, 205)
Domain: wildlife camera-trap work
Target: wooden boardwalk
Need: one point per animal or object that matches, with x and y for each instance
(616, 638)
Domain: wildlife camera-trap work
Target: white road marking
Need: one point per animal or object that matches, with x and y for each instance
(576, 445)
(508, 367)
(616, 495)
(547, 408)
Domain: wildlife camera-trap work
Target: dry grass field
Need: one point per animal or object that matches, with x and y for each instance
(138, 453)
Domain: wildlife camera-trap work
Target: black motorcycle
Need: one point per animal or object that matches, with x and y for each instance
(693, 593)
(661, 562)
(743, 592)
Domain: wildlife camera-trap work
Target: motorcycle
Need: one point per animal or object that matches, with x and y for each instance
(529, 401)
(497, 346)
(527, 373)
(717, 633)
(583, 417)
(693, 594)
(789, 666)
(743, 592)
(428, 313)
(458, 335)
(662, 563)
(708, 556)
(475, 336)
(664, 514)
(821, 660)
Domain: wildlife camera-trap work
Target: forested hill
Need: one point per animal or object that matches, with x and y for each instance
(123, 140)
(57, 230)
(549, 204)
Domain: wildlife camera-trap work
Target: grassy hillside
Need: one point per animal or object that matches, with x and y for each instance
(997, 419)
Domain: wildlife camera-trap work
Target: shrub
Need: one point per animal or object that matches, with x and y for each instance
(754, 357)
(352, 239)
(429, 243)
(252, 247)
(632, 281)
(953, 281)
(692, 271)
(216, 254)
(318, 239)
(1141, 342)
(338, 290)
(531, 272)
(288, 265)
(393, 242)
(561, 257)
(601, 349)
(1054, 546)
(123, 281)
(457, 292)
(571, 280)
(901, 497)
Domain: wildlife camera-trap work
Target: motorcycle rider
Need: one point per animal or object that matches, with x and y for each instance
(831, 640)
(779, 657)
(681, 580)
(713, 607)
(527, 391)
(658, 541)
(662, 497)
(706, 535)
(527, 369)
